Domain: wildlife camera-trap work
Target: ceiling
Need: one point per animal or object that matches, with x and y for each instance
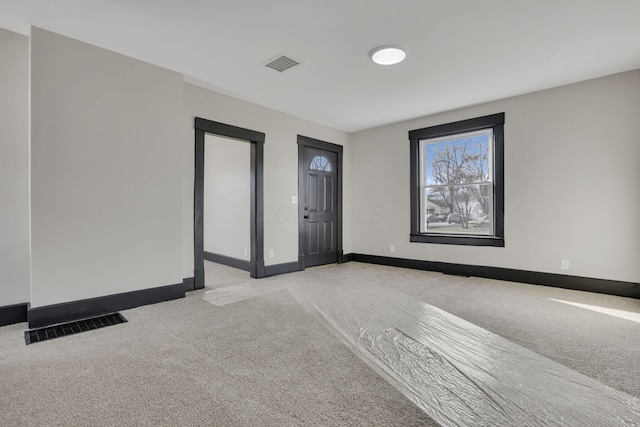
(459, 52)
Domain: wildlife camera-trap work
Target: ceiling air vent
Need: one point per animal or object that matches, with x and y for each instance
(282, 63)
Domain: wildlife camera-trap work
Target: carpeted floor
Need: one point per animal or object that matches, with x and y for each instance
(266, 361)
(259, 362)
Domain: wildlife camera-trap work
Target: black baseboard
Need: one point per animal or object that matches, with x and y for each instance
(292, 267)
(610, 287)
(76, 310)
(189, 284)
(11, 314)
(242, 264)
(260, 270)
(287, 267)
(198, 278)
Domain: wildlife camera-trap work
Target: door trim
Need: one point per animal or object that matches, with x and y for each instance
(305, 141)
(256, 139)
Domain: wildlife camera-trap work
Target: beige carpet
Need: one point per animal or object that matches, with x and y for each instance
(258, 362)
(263, 360)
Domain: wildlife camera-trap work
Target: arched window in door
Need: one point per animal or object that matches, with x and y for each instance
(320, 163)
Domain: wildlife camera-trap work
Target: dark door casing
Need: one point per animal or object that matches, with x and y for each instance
(256, 139)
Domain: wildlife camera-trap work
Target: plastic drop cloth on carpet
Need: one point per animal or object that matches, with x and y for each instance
(457, 372)
(235, 293)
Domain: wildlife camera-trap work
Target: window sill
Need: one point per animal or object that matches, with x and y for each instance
(457, 240)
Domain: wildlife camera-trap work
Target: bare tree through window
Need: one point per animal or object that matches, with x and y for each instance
(457, 176)
(457, 182)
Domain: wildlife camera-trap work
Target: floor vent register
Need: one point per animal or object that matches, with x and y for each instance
(70, 328)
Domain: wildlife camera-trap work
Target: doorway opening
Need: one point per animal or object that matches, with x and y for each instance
(226, 202)
(320, 202)
(256, 197)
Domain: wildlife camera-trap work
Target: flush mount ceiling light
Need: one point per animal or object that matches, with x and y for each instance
(387, 55)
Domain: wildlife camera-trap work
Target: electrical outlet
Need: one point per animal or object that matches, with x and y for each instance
(294, 200)
(564, 264)
(246, 253)
(271, 253)
(392, 249)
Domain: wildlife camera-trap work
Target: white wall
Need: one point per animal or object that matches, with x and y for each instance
(280, 168)
(572, 183)
(14, 168)
(227, 196)
(106, 172)
(112, 176)
(112, 171)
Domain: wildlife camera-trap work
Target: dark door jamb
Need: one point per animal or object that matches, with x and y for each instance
(256, 139)
(304, 141)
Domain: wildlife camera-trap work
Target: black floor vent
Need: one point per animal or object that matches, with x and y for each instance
(70, 328)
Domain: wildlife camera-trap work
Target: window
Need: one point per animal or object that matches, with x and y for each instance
(320, 163)
(457, 192)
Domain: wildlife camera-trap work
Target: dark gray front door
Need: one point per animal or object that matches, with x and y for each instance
(319, 206)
